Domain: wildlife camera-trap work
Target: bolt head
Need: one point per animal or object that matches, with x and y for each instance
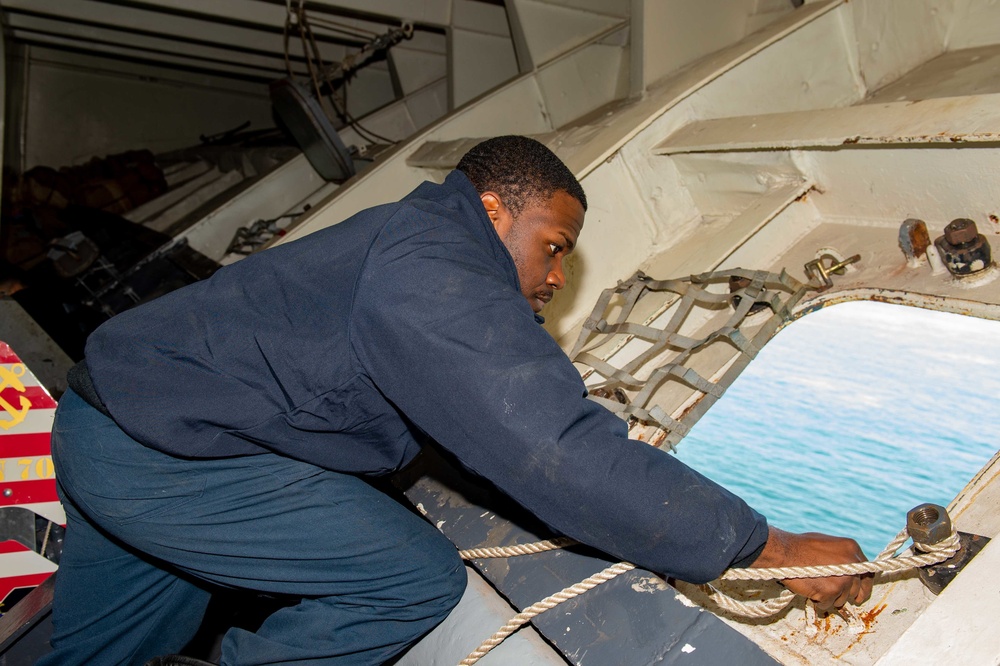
(961, 231)
(8, 492)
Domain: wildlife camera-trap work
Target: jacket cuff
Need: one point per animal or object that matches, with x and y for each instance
(759, 537)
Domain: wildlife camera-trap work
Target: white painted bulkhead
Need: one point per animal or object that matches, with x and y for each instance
(666, 110)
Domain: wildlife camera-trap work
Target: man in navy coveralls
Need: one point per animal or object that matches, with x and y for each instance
(221, 435)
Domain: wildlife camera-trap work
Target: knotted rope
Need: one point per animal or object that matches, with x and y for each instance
(884, 563)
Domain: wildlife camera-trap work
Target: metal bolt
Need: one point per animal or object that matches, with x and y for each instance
(8, 492)
(964, 250)
(961, 232)
(928, 524)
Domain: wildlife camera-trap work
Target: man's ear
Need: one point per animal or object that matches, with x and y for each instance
(498, 213)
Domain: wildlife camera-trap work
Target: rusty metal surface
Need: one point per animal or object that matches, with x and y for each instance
(914, 239)
(899, 123)
(633, 620)
(965, 251)
(936, 577)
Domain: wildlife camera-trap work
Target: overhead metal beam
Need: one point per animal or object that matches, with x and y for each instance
(259, 17)
(127, 56)
(225, 37)
(386, 12)
(84, 29)
(274, 68)
(203, 28)
(949, 121)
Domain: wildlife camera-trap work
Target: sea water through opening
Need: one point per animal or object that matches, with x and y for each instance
(853, 415)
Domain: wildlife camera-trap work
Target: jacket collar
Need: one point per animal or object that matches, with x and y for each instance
(482, 227)
(478, 223)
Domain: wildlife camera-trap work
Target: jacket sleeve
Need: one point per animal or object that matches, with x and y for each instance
(444, 336)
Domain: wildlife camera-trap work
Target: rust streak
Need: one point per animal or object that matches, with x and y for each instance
(940, 137)
(868, 619)
(872, 615)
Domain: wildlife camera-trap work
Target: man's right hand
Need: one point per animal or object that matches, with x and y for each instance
(785, 549)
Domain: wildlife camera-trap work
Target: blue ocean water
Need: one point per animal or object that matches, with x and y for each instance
(853, 415)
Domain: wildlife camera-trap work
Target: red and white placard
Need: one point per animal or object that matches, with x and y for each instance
(27, 477)
(23, 570)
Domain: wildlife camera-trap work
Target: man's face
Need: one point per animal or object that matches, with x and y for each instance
(538, 239)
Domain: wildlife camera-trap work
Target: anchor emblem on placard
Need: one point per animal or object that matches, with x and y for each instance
(9, 378)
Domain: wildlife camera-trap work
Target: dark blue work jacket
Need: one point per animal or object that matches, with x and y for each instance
(341, 348)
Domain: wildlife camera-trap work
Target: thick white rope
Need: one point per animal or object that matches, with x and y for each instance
(748, 609)
(540, 607)
(512, 551)
(884, 563)
(881, 564)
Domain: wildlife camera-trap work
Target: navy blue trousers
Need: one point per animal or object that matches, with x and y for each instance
(148, 534)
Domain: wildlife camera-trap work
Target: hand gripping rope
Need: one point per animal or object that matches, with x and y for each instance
(886, 562)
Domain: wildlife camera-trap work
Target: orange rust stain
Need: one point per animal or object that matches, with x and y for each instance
(870, 617)
(690, 407)
(822, 623)
(869, 620)
(824, 629)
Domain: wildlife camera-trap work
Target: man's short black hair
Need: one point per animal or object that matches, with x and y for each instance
(520, 170)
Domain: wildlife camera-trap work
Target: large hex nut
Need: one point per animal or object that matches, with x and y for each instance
(928, 524)
(961, 232)
(963, 249)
